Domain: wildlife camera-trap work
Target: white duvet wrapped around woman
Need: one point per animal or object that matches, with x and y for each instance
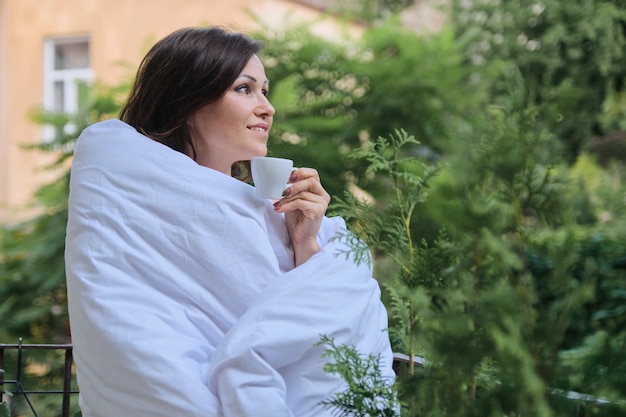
(184, 299)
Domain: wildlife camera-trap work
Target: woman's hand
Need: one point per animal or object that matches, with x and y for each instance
(304, 205)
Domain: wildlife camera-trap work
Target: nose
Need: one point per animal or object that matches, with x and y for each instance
(265, 108)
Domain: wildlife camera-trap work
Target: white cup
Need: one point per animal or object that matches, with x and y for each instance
(270, 176)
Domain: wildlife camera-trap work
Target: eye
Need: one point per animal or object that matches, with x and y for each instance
(264, 92)
(245, 88)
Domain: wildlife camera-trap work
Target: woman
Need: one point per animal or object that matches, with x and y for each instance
(188, 295)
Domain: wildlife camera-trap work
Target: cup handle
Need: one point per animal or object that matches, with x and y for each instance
(288, 185)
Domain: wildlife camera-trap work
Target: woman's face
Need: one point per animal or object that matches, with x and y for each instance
(236, 127)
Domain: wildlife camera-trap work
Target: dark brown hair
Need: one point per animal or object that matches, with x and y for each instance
(183, 72)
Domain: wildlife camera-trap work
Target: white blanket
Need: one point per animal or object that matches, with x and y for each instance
(183, 296)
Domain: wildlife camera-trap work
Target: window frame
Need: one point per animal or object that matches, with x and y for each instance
(68, 77)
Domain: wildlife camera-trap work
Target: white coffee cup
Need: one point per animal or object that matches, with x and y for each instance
(270, 176)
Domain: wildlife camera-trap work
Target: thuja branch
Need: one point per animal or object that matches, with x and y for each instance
(406, 220)
(387, 228)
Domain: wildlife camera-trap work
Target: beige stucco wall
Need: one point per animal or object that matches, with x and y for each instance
(120, 31)
(3, 99)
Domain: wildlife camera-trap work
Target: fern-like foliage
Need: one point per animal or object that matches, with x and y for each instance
(369, 393)
(387, 228)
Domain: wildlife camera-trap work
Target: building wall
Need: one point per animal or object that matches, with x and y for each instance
(3, 98)
(120, 31)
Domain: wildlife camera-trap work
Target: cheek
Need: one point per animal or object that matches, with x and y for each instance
(223, 120)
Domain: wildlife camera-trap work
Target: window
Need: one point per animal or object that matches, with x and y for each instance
(67, 71)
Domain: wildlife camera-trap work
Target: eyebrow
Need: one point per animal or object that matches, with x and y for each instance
(254, 79)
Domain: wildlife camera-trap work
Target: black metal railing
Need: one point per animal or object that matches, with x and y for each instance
(20, 390)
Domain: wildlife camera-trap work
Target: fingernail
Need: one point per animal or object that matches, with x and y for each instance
(293, 176)
(287, 192)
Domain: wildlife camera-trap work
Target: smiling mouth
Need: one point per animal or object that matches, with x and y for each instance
(258, 129)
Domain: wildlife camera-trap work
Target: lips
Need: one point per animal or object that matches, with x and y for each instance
(261, 127)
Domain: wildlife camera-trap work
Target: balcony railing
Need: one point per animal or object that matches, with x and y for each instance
(20, 388)
(19, 385)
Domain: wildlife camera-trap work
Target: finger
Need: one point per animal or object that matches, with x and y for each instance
(310, 204)
(310, 184)
(300, 174)
(306, 196)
